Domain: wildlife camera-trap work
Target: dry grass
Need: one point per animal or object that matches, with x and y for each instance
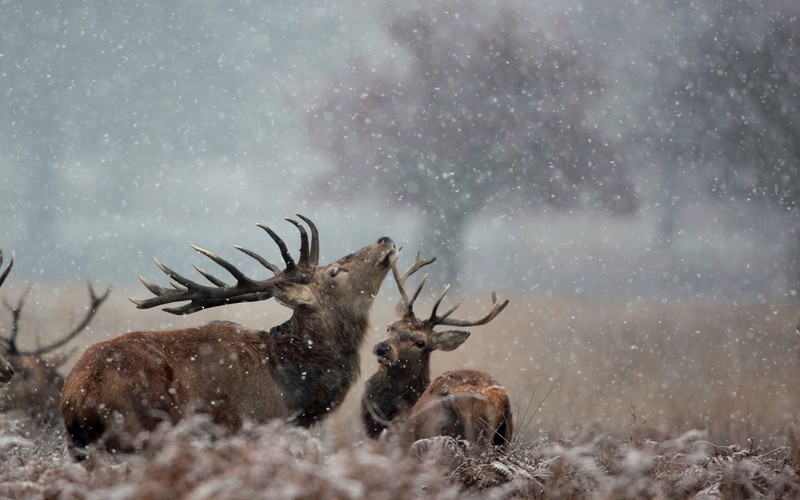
(649, 400)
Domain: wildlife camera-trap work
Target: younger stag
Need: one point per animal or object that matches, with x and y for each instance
(464, 404)
(297, 371)
(36, 383)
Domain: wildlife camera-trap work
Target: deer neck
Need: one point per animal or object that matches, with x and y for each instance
(409, 381)
(389, 394)
(316, 360)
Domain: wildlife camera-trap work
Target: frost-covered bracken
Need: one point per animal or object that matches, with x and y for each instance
(297, 371)
(197, 459)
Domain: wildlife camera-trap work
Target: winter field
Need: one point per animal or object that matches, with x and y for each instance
(613, 399)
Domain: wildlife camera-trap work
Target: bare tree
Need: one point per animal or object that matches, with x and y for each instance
(728, 103)
(484, 112)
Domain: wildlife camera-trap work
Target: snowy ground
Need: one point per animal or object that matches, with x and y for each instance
(658, 399)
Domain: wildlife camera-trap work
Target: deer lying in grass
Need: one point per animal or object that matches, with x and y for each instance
(464, 404)
(297, 371)
(36, 383)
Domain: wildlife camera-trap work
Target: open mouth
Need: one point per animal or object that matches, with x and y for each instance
(389, 258)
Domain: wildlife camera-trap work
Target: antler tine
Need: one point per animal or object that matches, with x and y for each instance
(313, 256)
(417, 292)
(16, 314)
(408, 303)
(434, 319)
(418, 263)
(210, 277)
(287, 258)
(154, 289)
(177, 278)
(233, 270)
(8, 269)
(497, 308)
(401, 286)
(304, 255)
(95, 301)
(183, 284)
(261, 260)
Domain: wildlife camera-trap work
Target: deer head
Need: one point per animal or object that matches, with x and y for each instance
(302, 284)
(411, 340)
(404, 356)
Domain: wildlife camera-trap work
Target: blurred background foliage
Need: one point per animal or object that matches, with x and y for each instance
(632, 148)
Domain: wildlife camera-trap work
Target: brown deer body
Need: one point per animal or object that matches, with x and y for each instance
(464, 404)
(36, 384)
(297, 371)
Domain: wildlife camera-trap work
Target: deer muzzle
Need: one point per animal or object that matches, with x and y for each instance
(383, 351)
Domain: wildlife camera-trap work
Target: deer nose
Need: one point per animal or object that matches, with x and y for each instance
(385, 239)
(381, 349)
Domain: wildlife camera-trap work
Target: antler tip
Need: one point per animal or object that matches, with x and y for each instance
(199, 249)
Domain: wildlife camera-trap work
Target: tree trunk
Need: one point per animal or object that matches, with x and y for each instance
(443, 239)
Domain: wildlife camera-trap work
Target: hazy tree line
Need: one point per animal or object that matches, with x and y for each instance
(459, 108)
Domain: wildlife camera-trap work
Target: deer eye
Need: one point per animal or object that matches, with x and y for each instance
(334, 272)
(420, 344)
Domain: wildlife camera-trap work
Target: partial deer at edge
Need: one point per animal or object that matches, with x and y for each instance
(297, 371)
(465, 404)
(6, 370)
(32, 378)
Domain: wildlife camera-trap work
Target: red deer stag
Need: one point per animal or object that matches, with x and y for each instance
(461, 403)
(36, 384)
(297, 371)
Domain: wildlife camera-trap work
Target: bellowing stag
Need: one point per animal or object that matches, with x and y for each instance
(465, 404)
(297, 371)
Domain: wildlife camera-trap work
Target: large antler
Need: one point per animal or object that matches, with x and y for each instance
(245, 289)
(406, 305)
(16, 311)
(444, 320)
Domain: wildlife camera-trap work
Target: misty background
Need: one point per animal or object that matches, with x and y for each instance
(622, 147)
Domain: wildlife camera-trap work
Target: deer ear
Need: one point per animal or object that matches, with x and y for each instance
(448, 340)
(294, 295)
